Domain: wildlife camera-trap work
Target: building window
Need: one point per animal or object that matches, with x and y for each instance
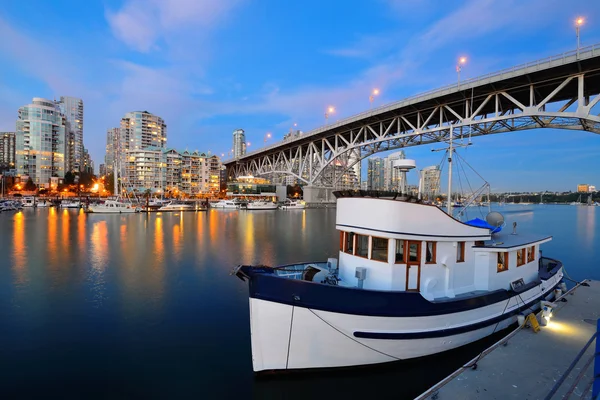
(349, 242)
(430, 252)
(520, 257)
(460, 251)
(362, 246)
(530, 254)
(379, 249)
(400, 253)
(502, 262)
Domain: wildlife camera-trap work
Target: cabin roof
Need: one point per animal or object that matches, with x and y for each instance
(507, 240)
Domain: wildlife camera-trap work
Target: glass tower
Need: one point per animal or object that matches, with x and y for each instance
(239, 143)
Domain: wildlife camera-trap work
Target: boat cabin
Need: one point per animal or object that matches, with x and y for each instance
(396, 245)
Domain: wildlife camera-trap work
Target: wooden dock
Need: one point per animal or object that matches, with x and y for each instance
(528, 365)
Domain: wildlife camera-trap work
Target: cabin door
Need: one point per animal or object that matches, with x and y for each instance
(413, 266)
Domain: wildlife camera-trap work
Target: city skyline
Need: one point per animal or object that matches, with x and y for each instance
(297, 63)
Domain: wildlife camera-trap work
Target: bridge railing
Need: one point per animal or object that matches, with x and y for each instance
(563, 58)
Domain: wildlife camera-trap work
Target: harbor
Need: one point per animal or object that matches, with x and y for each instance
(555, 362)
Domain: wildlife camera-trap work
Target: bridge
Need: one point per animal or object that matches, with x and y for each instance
(556, 92)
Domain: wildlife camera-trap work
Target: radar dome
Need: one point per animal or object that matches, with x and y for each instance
(495, 219)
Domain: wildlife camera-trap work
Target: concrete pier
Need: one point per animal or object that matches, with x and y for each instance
(527, 365)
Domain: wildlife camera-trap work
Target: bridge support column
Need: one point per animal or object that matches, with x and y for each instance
(316, 194)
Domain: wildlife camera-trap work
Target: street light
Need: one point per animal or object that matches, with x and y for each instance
(267, 136)
(374, 93)
(459, 64)
(330, 110)
(578, 22)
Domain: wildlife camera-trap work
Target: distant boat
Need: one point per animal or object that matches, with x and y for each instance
(293, 205)
(578, 202)
(261, 205)
(112, 207)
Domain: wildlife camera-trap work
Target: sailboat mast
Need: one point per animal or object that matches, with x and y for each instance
(115, 179)
(450, 151)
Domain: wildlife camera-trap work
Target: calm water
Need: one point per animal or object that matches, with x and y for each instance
(142, 306)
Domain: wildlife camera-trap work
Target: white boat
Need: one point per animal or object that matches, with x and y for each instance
(232, 204)
(28, 201)
(293, 205)
(409, 281)
(70, 204)
(178, 206)
(261, 205)
(112, 207)
(43, 203)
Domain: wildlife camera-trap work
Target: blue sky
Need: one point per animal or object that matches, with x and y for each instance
(211, 66)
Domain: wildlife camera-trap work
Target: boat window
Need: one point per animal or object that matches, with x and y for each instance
(460, 251)
(400, 259)
(502, 262)
(349, 245)
(430, 252)
(413, 251)
(362, 246)
(520, 257)
(379, 249)
(530, 254)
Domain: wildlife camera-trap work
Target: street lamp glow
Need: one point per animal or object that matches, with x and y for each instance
(374, 93)
(579, 21)
(330, 110)
(461, 61)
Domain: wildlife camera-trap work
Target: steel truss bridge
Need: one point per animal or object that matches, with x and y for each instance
(557, 92)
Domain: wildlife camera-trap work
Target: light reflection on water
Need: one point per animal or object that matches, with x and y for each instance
(96, 298)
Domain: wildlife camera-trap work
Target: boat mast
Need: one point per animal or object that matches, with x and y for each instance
(450, 150)
(115, 179)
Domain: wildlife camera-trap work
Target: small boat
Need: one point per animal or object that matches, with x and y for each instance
(43, 203)
(178, 206)
(231, 204)
(28, 201)
(10, 205)
(293, 205)
(409, 281)
(112, 207)
(70, 204)
(261, 205)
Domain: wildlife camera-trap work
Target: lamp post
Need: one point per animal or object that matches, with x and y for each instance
(459, 64)
(330, 110)
(578, 22)
(267, 136)
(374, 93)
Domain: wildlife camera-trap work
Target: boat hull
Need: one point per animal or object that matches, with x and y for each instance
(293, 334)
(106, 210)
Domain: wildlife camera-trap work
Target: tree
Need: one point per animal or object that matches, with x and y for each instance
(69, 178)
(30, 186)
(109, 182)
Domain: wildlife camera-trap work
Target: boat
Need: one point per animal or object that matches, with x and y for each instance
(10, 205)
(232, 204)
(43, 203)
(178, 206)
(293, 205)
(28, 201)
(70, 204)
(577, 203)
(409, 281)
(261, 205)
(112, 207)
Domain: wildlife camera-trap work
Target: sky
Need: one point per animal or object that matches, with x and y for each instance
(208, 67)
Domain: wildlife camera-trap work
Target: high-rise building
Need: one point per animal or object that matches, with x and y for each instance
(41, 141)
(7, 150)
(583, 188)
(112, 141)
(430, 181)
(239, 143)
(375, 173)
(140, 130)
(392, 176)
(88, 163)
(72, 109)
(102, 169)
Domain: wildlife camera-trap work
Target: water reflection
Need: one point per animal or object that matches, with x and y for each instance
(99, 257)
(19, 248)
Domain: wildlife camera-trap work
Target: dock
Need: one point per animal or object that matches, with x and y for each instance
(553, 363)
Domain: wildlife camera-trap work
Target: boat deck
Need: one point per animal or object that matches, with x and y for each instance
(530, 365)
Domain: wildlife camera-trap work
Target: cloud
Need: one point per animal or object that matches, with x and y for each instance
(141, 23)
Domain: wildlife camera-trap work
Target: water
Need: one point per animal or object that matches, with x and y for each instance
(142, 306)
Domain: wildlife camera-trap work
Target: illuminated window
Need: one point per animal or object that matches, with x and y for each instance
(379, 249)
(362, 246)
(400, 254)
(520, 257)
(430, 252)
(502, 262)
(530, 254)
(460, 251)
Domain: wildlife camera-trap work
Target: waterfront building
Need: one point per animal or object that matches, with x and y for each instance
(112, 142)
(143, 170)
(40, 141)
(88, 164)
(102, 169)
(72, 109)
(375, 173)
(7, 150)
(239, 143)
(140, 130)
(430, 181)
(583, 188)
(392, 176)
(591, 188)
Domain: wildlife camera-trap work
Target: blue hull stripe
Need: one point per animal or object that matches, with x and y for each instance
(483, 236)
(451, 331)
